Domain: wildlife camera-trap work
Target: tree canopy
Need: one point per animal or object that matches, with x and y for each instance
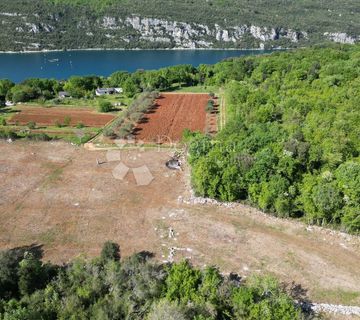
(135, 287)
(291, 144)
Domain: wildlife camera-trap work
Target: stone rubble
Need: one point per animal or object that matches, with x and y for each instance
(335, 309)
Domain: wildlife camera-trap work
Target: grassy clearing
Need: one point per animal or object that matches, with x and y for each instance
(54, 174)
(70, 134)
(91, 103)
(337, 296)
(197, 89)
(49, 237)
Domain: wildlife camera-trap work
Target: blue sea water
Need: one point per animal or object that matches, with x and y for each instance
(63, 64)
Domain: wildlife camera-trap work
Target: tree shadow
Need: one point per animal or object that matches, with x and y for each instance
(116, 109)
(145, 255)
(300, 296)
(136, 131)
(143, 120)
(5, 109)
(235, 278)
(35, 249)
(153, 108)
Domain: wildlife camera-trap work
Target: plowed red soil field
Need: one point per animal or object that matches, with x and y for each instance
(171, 115)
(49, 116)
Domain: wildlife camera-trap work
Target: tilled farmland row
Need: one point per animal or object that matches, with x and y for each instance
(50, 116)
(171, 115)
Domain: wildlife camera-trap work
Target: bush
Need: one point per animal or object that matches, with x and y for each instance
(8, 134)
(136, 116)
(125, 130)
(67, 121)
(31, 125)
(123, 133)
(110, 251)
(31, 274)
(167, 310)
(209, 106)
(58, 124)
(104, 106)
(80, 125)
(38, 137)
(109, 132)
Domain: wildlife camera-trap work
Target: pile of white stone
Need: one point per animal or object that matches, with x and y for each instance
(193, 200)
(336, 309)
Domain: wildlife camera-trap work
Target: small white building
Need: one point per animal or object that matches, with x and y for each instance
(106, 91)
(9, 103)
(64, 94)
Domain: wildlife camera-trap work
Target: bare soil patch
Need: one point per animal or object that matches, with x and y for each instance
(171, 114)
(56, 195)
(51, 116)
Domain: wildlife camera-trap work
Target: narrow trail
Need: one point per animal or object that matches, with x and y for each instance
(222, 109)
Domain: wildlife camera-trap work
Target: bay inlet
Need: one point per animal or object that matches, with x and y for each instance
(63, 64)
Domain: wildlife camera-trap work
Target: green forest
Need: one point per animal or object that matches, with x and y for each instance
(78, 24)
(136, 287)
(291, 143)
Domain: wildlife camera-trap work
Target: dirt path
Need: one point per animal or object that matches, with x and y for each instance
(222, 119)
(55, 194)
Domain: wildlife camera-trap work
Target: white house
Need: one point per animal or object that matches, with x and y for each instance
(9, 103)
(104, 91)
(64, 94)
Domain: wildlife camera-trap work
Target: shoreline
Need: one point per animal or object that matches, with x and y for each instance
(139, 49)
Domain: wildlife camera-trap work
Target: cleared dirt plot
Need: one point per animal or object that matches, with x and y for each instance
(57, 195)
(171, 115)
(51, 116)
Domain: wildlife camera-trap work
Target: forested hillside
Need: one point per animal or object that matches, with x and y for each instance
(134, 288)
(291, 144)
(74, 24)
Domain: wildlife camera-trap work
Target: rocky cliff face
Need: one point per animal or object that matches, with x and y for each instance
(34, 32)
(197, 35)
(341, 37)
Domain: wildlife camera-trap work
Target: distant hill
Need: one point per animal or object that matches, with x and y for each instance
(78, 24)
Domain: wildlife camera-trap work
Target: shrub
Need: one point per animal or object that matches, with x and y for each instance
(8, 134)
(167, 310)
(125, 130)
(110, 251)
(31, 125)
(58, 124)
(105, 106)
(209, 106)
(136, 116)
(109, 132)
(38, 137)
(80, 125)
(67, 121)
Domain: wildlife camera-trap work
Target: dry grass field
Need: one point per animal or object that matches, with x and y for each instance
(56, 195)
